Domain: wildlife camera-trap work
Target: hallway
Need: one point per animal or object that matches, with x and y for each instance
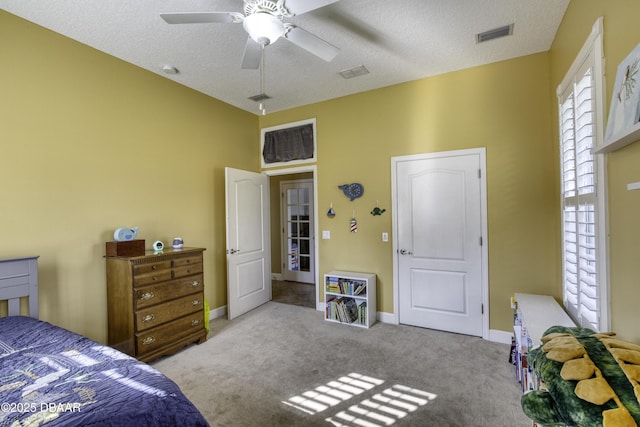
(295, 293)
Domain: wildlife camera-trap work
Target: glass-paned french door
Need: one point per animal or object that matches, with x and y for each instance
(579, 201)
(297, 208)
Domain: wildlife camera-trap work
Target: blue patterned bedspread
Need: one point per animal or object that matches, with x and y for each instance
(52, 377)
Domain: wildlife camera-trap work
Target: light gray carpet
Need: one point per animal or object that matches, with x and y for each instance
(295, 293)
(283, 365)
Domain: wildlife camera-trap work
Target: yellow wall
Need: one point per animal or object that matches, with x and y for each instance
(621, 36)
(90, 143)
(503, 107)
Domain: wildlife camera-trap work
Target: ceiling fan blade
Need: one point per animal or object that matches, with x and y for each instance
(202, 17)
(311, 43)
(298, 7)
(252, 55)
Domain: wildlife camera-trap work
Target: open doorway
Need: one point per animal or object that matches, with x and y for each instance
(294, 229)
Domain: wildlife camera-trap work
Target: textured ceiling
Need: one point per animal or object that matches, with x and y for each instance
(397, 41)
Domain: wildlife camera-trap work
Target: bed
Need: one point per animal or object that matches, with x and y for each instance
(53, 377)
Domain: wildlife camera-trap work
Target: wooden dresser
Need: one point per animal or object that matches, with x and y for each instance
(156, 302)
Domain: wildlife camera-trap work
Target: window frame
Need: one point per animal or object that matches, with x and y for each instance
(313, 159)
(591, 54)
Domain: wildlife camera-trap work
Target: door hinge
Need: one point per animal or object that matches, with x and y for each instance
(480, 240)
(482, 308)
(479, 173)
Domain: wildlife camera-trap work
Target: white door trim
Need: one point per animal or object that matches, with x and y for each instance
(314, 170)
(481, 152)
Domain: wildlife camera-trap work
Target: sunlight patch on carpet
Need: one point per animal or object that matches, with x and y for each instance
(382, 408)
(334, 392)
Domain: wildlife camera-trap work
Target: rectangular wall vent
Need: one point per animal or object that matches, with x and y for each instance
(259, 97)
(507, 30)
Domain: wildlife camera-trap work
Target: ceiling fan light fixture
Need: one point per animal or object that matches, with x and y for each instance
(264, 28)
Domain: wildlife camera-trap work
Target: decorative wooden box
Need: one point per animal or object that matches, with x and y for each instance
(126, 248)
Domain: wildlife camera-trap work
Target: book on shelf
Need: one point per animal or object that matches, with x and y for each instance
(362, 313)
(347, 310)
(343, 286)
(343, 309)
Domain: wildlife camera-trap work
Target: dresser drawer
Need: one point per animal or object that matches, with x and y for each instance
(151, 267)
(155, 294)
(189, 260)
(149, 278)
(187, 270)
(168, 333)
(162, 313)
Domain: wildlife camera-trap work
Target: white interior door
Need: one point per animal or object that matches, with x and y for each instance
(248, 241)
(439, 223)
(297, 231)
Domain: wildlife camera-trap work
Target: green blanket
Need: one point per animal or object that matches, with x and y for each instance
(591, 380)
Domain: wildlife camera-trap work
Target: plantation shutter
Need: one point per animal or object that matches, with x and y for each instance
(579, 202)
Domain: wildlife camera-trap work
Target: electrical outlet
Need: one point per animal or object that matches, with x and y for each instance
(326, 234)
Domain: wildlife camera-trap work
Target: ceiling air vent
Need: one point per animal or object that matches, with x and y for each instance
(360, 70)
(260, 97)
(507, 30)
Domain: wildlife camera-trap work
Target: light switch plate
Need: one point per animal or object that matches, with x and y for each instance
(385, 237)
(326, 234)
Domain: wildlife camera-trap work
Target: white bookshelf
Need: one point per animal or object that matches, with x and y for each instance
(350, 298)
(540, 312)
(534, 314)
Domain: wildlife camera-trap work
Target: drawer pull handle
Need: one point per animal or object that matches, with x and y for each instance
(189, 270)
(195, 284)
(195, 322)
(195, 302)
(153, 267)
(148, 340)
(148, 318)
(147, 296)
(154, 278)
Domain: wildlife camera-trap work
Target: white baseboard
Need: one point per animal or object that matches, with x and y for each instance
(387, 318)
(502, 337)
(276, 276)
(218, 312)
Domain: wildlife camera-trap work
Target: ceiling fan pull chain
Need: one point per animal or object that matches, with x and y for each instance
(262, 107)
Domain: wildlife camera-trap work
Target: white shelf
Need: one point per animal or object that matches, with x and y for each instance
(619, 141)
(349, 283)
(534, 315)
(540, 312)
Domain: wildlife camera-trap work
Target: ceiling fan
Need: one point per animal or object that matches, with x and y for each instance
(263, 20)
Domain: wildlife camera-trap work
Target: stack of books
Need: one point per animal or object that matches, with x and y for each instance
(344, 310)
(346, 287)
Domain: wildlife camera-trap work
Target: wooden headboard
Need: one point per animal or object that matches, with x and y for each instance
(19, 278)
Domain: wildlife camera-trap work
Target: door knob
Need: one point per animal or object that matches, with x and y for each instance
(233, 251)
(405, 252)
